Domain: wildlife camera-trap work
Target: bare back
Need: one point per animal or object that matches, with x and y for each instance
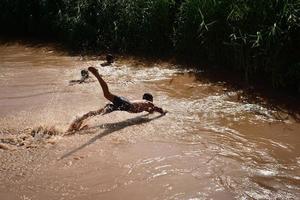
(144, 105)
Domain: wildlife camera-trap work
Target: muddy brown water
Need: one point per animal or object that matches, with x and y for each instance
(209, 145)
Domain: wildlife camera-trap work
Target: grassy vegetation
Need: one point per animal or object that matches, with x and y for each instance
(258, 38)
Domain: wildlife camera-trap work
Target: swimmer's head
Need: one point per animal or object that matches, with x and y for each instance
(148, 97)
(109, 58)
(84, 73)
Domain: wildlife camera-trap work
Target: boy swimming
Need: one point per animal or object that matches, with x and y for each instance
(118, 103)
(123, 104)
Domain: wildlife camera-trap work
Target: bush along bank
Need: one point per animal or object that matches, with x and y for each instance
(258, 38)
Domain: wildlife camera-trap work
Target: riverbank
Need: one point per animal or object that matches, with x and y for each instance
(255, 39)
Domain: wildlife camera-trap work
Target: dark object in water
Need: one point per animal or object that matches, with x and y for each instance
(148, 97)
(109, 60)
(84, 75)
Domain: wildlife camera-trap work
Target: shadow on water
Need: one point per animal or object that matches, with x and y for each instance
(110, 128)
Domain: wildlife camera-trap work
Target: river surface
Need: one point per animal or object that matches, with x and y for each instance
(211, 144)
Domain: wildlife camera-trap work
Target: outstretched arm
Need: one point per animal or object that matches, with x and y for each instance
(158, 109)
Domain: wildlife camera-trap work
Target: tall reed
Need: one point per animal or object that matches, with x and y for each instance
(259, 38)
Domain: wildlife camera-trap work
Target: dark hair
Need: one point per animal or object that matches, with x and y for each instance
(109, 58)
(84, 73)
(148, 97)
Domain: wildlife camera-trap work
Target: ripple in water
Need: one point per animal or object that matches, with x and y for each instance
(28, 138)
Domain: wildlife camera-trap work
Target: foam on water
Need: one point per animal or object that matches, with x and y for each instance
(211, 145)
(28, 138)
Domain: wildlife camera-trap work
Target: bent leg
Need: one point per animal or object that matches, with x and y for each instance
(103, 84)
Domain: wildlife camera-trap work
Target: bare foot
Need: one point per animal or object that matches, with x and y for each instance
(93, 70)
(75, 126)
(84, 127)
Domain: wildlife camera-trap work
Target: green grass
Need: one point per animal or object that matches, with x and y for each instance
(258, 38)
